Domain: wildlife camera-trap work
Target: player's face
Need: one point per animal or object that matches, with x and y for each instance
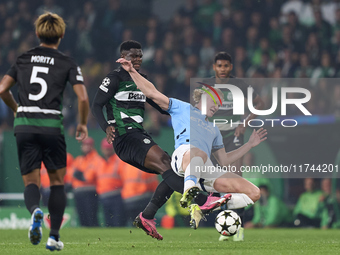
(135, 56)
(212, 107)
(222, 68)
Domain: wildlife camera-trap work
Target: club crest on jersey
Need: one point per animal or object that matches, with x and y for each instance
(146, 141)
(106, 82)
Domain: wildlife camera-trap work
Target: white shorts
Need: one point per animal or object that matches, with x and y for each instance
(207, 180)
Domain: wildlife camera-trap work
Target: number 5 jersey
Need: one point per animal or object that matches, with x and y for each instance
(41, 75)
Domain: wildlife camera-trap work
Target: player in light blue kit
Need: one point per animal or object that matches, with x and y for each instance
(195, 139)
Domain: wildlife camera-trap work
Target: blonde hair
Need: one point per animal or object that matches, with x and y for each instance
(199, 92)
(50, 27)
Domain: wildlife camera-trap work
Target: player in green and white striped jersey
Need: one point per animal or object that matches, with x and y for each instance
(124, 104)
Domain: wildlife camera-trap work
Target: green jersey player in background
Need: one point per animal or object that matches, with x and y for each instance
(42, 74)
(233, 135)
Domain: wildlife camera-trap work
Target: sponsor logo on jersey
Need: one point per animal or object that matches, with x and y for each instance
(133, 95)
(130, 96)
(129, 85)
(42, 59)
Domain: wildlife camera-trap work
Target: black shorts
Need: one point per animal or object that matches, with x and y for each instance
(232, 142)
(36, 148)
(132, 148)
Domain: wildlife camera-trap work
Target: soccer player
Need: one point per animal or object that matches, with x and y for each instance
(195, 139)
(233, 135)
(41, 75)
(125, 112)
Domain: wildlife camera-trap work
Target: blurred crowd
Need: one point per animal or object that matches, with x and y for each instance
(267, 39)
(316, 207)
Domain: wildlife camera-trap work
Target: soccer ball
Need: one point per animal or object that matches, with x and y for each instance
(227, 223)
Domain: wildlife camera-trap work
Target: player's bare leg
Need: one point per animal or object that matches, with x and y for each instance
(243, 192)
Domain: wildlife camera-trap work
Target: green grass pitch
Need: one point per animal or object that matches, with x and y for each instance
(184, 241)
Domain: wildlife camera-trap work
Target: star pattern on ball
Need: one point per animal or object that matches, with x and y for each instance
(227, 223)
(237, 222)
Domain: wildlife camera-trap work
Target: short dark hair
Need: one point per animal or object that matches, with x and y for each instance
(223, 56)
(264, 186)
(130, 44)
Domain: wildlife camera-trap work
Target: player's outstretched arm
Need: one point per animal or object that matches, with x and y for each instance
(144, 85)
(6, 95)
(83, 110)
(255, 139)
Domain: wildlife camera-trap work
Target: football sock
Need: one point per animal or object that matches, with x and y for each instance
(173, 180)
(159, 198)
(239, 200)
(193, 172)
(32, 197)
(56, 207)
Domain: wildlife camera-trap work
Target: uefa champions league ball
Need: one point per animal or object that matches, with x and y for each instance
(227, 223)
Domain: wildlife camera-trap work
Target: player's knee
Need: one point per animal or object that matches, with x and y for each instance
(166, 162)
(56, 181)
(201, 154)
(255, 194)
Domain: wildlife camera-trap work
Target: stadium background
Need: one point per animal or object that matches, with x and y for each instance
(180, 38)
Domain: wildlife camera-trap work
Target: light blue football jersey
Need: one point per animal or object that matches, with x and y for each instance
(191, 127)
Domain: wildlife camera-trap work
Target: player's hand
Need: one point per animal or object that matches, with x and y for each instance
(257, 137)
(110, 134)
(240, 129)
(81, 132)
(126, 64)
